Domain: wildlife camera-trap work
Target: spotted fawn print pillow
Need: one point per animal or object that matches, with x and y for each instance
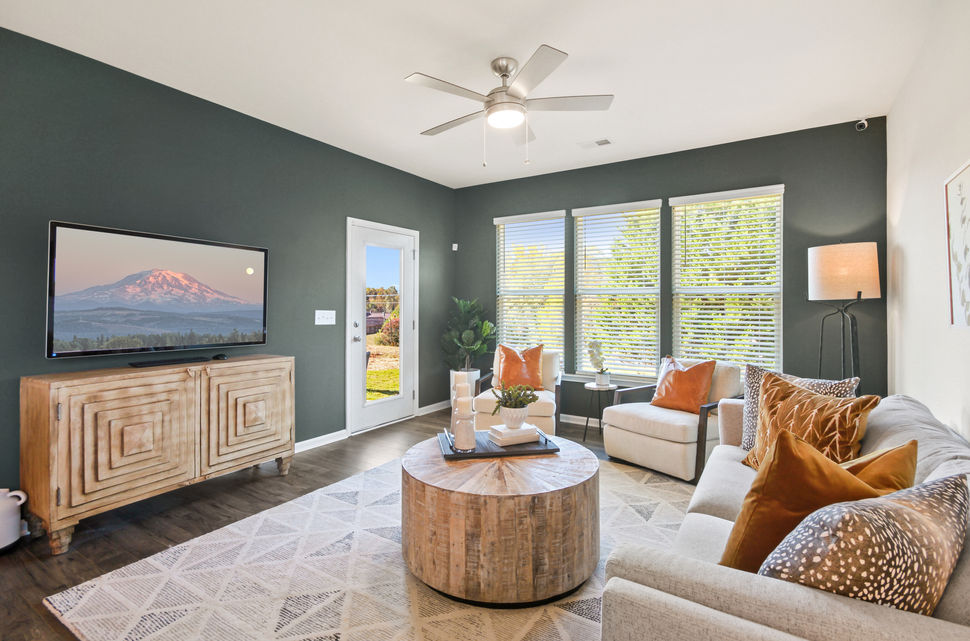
(898, 550)
(752, 390)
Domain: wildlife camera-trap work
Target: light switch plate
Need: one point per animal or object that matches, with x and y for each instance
(325, 317)
(454, 247)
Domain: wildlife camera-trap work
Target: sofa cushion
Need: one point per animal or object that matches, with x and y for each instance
(753, 375)
(658, 422)
(897, 550)
(832, 425)
(545, 406)
(900, 418)
(794, 480)
(702, 536)
(723, 485)
(955, 604)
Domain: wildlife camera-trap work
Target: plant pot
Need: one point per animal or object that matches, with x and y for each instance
(513, 417)
(602, 379)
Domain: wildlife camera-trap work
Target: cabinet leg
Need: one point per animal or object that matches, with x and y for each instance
(35, 525)
(283, 464)
(60, 540)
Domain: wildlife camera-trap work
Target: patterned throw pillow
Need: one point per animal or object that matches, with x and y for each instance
(834, 426)
(897, 550)
(752, 388)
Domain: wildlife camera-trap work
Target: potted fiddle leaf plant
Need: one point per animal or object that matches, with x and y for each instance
(468, 336)
(602, 375)
(512, 403)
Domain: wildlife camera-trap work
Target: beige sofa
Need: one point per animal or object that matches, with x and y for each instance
(683, 593)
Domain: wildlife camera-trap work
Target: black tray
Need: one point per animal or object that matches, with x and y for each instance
(485, 448)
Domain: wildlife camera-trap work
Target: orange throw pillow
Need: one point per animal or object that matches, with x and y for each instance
(794, 480)
(832, 425)
(519, 368)
(683, 388)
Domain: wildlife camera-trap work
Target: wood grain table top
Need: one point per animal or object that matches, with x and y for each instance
(513, 476)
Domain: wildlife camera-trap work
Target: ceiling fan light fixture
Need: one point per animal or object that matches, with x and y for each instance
(505, 115)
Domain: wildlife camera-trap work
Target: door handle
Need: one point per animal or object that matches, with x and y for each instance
(356, 339)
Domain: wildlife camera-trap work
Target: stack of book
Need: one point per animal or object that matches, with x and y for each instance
(501, 435)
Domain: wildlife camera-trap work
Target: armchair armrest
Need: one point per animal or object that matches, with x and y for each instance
(622, 395)
(480, 384)
(795, 609)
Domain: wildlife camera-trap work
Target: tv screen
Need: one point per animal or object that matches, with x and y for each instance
(112, 291)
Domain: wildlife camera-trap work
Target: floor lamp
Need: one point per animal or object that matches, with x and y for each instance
(846, 274)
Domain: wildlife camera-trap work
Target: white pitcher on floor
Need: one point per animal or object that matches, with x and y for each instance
(10, 503)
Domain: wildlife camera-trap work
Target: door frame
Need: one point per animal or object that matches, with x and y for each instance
(349, 332)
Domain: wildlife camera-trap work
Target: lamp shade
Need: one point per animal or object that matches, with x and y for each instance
(838, 272)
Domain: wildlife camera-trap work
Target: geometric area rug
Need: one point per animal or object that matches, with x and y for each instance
(328, 567)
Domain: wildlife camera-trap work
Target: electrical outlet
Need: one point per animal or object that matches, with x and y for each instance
(454, 247)
(325, 317)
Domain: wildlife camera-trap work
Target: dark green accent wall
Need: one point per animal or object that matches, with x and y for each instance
(835, 190)
(81, 141)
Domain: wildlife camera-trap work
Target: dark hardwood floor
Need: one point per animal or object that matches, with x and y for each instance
(105, 542)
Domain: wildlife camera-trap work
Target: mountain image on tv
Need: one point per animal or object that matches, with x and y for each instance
(154, 308)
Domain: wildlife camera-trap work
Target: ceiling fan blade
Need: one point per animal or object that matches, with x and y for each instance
(570, 103)
(434, 83)
(542, 63)
(451, 124)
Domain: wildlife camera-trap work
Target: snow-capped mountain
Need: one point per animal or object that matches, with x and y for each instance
(155, 289)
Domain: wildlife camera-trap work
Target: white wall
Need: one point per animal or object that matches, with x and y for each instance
(928, 138)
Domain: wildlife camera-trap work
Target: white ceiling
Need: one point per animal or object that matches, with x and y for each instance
(686, 73)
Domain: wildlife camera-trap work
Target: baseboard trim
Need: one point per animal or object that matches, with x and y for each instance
(318, 441)
(578, 420)
(434, 407)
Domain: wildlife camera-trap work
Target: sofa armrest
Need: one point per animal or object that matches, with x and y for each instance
(729, 413)
(795, 609)
(634, 612)
(623, 395)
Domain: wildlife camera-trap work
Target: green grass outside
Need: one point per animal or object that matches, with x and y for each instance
(382, 383)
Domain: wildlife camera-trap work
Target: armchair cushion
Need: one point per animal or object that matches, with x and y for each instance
(658, 422)
(550, 369)
(682, 387)
(726, 382)
(519, 367)
(545, 406)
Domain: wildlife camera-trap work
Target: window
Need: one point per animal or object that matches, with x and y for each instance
(618, 286)
(727, 276)
(531, 279)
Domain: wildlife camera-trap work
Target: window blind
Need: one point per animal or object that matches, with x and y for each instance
(530, 278)
(617, 282)
(727, 270)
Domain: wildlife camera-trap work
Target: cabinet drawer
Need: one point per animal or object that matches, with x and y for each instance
(123, 442)
(247, 414)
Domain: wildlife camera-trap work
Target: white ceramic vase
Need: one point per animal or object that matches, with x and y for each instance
(602, 379)
(513, 417)
(10, 503)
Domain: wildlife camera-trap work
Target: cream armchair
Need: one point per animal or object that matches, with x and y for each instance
(669, 441)
(544, 413)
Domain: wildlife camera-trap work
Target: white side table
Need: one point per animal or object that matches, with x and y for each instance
(597, 391)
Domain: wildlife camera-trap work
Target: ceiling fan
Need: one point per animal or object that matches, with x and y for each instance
(506, 107)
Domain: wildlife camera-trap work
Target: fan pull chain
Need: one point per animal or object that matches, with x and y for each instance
(526, 138)
(484, 139)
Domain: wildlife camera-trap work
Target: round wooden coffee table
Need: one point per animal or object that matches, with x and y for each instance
(501, 531)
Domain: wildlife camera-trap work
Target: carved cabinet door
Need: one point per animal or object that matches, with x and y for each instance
(247, 413)
(119, 440)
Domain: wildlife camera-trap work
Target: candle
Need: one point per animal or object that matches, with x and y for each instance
(463, 405)
(464, 429)
(462, 390)
(460, 377)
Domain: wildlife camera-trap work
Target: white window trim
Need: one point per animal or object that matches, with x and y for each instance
(618, 208)
(526, 218)
(733, 194)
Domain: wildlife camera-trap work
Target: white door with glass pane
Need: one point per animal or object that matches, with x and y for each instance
(381, 383)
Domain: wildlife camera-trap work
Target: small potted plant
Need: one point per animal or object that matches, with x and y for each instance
(602, 376)
(512, 404)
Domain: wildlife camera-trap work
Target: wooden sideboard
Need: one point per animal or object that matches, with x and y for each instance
(96, 440)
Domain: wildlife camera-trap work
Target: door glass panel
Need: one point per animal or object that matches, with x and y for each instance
(382, 316)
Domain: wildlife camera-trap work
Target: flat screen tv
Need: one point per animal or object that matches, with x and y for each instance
(112, 291)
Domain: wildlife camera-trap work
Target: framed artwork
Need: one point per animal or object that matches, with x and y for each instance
(957, 192)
